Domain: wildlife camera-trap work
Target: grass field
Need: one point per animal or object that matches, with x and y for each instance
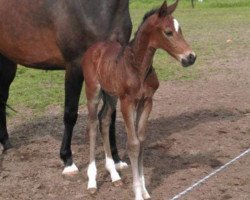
(202, 27)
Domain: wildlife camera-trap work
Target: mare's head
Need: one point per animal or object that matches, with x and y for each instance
(165, 33)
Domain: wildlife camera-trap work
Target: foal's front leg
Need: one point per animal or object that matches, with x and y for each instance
(93, 97)
(143, 110)
(133, 144)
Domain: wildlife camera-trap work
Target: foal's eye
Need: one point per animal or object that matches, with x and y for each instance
(168, 33)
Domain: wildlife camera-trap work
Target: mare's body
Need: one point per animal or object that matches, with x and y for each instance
(113, 72)
(52, 35)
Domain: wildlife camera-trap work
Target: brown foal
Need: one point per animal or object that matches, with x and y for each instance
(112, 72)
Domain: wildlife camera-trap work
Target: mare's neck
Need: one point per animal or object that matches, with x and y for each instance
(143, 54)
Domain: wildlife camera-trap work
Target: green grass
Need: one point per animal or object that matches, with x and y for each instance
(37, 89)
(207, 28)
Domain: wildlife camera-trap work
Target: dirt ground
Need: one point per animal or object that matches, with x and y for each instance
(195, 127)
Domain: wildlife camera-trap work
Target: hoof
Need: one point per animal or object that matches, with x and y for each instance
(118, 183)
(92, 191)
(70, 170)
(121, 166)
(146, 196)
(139, 198)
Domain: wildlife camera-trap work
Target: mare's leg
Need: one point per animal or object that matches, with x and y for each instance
(109, 105)
(133, 144)
(93, 97)
(143, 110)
(73, 86)
(7, 74)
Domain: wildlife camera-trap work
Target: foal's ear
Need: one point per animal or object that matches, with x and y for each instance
(163, 11)
(172, 8)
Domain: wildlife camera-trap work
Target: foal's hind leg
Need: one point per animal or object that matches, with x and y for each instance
(119, 164)
(109, 105)
(7, 74)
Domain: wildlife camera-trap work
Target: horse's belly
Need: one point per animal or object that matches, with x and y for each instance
(32, 50)
(24, 39)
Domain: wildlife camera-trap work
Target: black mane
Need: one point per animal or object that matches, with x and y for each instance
(146, 16)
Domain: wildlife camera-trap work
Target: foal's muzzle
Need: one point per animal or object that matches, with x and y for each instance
(188, 60)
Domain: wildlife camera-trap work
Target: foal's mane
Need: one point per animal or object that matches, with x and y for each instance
(146, 16)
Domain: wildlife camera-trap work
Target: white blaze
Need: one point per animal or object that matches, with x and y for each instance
(176, 25)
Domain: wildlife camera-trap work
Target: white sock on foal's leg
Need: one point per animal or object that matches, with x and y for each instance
(121, 165)
(145, 193)
(110, 166)
(138, 191)
(92, 172)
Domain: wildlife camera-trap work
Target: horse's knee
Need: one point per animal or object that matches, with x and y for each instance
(105, 118)
(92, 127)
(105, 122)
(142, 138)
(133, 147)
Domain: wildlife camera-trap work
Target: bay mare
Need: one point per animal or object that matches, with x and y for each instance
(112, 73)
(53, 35)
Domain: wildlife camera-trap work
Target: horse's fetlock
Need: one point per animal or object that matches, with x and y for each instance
(65, 154)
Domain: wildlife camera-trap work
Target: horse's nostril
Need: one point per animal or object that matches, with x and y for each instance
(191, 58)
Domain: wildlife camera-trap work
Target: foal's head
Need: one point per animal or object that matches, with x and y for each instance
(165, 33)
